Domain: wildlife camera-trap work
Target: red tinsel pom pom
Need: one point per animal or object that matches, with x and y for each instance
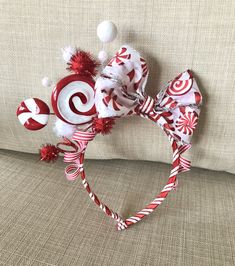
(49, 153)
(103, 125)
(83, 63)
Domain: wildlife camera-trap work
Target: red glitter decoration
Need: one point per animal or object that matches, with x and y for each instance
(49, 153)
(103, 125)
(83, 63)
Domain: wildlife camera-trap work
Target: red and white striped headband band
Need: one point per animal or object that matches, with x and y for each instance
(85, 107)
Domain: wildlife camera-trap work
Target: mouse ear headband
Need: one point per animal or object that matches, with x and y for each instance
(85, 107)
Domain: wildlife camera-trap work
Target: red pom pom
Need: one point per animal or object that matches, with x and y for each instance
(49, 153)
(83, 63)
(103, 125)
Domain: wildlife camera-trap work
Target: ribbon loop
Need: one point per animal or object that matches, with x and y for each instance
(83, 136)
(71, 156)
(72, 171)
(81, 139)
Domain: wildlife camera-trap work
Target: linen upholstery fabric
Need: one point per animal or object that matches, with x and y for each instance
(47, 220)
(172, 36)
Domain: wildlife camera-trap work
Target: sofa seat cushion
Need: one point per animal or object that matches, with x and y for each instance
(47, 220)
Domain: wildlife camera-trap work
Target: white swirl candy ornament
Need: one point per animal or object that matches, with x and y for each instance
(73, 99)
(33, 113)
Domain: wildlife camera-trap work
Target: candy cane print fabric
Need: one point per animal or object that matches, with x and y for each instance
(120, 91)
(120, 87)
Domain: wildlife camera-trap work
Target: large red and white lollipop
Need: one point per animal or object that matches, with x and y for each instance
(73, 99)
(33, 113)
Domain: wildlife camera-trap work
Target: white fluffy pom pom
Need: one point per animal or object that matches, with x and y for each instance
(46, 82)
(67, 53)
(103, 56)
(107, 31)
(63, 129)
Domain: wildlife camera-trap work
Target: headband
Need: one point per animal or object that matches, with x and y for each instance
(85, 107)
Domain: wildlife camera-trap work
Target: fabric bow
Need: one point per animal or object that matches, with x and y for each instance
(120, 91)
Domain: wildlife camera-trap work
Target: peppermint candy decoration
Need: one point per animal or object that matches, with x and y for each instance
(181, 84)
(73, 99)
(33, 113)
(187, 123)
(120, 57)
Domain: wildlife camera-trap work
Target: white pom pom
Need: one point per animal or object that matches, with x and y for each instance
(63, 129)
(67, 53)
(107, 31)
(46, 82)
(103, 56)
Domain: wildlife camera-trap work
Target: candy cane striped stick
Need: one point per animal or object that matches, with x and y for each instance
(121, 225)
(98, 202)
(75, 169)
(171, 184)
(179, 164)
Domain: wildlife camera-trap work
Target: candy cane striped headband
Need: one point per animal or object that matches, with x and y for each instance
(85, 107)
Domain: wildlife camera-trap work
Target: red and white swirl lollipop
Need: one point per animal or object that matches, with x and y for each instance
(33, 113)
(73, 99)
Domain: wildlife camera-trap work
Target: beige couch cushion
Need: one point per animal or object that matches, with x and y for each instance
(173, 36)
(47, 220)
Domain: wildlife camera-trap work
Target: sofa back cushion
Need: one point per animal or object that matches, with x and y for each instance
(199, 35)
